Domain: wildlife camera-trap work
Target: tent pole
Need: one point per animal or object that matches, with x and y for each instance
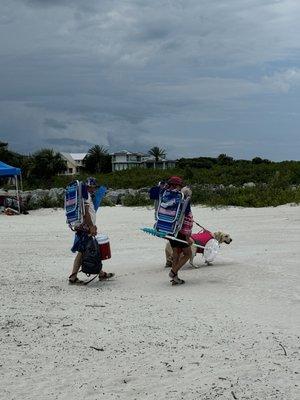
(21, 181)
(18, 197)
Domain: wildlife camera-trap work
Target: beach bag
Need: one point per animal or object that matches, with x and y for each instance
(91, 258)
(154, 193)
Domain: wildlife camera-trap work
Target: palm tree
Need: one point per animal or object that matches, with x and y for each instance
(45, 164)
(157, 153)
(98, 159)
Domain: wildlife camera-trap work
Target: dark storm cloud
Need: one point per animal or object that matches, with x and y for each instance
(53, 123)
(70, 145)
(89, 6)
(189, 75)
(67, 142)
(47, 3)
(50, 3)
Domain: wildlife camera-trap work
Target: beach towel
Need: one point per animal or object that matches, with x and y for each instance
(98, 196)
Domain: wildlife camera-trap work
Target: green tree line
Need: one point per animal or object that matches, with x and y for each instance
(42, 169)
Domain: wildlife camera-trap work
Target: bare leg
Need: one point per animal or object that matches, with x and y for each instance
(169, 255)
(181, 258)
(176, 256)
(76, 266)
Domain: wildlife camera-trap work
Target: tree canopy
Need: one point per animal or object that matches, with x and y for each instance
(97, 160)
(157, 153)
(46, 163)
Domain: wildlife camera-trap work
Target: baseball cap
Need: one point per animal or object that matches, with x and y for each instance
(175, 181)
(91, 181)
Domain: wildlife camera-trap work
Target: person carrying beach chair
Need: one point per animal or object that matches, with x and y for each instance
(174, 217)
(83, 202)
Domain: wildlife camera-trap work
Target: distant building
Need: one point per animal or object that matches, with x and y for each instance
(125, 160)
(74, 162)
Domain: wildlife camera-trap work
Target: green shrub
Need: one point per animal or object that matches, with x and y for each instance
(47, 202)
(273, 181)
(258, 196)
(136, 200)
(106, 202)
(237, 173)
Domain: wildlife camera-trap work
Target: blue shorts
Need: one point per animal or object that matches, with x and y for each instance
(80, 241)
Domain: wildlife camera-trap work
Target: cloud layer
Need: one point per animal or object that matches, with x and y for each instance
(196, 77)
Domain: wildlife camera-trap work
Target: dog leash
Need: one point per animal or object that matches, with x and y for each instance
(200, 226)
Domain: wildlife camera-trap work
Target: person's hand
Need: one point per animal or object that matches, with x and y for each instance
(190, 241)
(93, 230)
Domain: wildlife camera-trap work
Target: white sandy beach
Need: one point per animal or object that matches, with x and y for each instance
(231, 332)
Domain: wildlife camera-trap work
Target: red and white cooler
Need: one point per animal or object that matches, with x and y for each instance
(104, 246)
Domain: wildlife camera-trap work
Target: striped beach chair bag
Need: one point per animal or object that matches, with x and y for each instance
(170, 212)
(74, 204)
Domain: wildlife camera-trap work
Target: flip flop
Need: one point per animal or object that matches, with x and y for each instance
(174, 279)
(177, 281)
(106, 275)
(75, 281)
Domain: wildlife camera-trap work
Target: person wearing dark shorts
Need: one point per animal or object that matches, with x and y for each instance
(181, 251)
(82, 236)
(181, 254)
(177, 244)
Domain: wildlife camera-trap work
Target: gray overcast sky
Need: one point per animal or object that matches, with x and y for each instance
(196, 77)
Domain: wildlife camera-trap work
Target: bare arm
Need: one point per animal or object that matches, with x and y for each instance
(189, 239)
(87, 220)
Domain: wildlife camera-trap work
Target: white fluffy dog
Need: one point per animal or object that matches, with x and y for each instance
(221, 237)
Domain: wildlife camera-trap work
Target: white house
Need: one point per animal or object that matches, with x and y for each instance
(74, 162)
(125, 159)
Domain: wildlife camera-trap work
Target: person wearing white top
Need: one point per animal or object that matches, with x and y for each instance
(89, 224)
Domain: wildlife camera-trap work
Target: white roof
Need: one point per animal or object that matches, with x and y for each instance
(78, 156)
(68, 157)
(128, 153)
(122, 152)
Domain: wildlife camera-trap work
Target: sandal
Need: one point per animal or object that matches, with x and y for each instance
(177, 281)
(75, 281)
(106, 275)
(174, 278)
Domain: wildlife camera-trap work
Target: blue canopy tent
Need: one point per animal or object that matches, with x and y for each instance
(9, 171)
